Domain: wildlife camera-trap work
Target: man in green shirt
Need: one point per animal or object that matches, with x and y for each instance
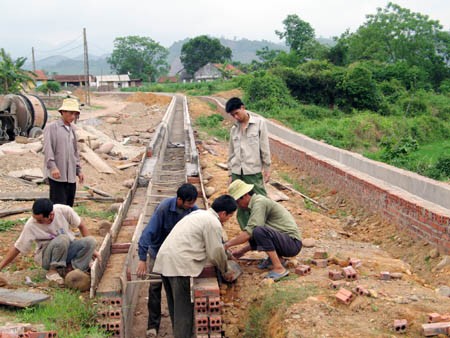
(270, 228)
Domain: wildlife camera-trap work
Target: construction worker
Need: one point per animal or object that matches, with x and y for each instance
(50, 227)
(164, 218)
(194, 241)
(270, 228)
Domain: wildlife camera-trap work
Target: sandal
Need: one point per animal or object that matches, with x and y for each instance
(54, 276)
(277, 276)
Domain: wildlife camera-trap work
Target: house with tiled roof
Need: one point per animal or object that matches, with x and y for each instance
(214, 71)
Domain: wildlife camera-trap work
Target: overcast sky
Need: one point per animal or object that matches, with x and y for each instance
(55, 27)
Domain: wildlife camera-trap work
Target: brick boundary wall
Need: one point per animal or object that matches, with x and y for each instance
(426, 217)
(420, 218)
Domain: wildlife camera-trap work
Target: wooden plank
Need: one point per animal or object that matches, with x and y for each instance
(21, 298)
(89, 155)
(4, 213)
(127, 165)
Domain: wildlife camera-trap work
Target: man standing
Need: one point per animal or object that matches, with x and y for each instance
(62, 160)
(194, 241)
(270, 228)
(164, 218)
(50, 227)
(249, 151)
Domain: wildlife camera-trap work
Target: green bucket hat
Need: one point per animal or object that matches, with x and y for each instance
(239, 188)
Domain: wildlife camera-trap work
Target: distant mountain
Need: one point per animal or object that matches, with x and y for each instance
(243, 50)
(71, 66)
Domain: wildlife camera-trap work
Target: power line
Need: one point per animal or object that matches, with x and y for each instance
(61, 47)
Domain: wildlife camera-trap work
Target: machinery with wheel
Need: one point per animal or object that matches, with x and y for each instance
(21, 115)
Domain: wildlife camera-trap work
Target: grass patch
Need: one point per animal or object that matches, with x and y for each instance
(212, 125)
(67, 313)
(102, 214)
(5, 225)
(271, 306)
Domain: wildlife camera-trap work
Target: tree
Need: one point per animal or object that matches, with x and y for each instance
(12, 76)
(139, 56)
(297, 33)
(49, 87)
(396, 34)
(202, 49)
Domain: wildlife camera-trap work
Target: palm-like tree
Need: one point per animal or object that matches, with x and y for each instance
(12, 76)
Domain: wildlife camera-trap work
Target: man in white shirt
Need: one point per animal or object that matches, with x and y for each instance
(195, 240)
(50, 227)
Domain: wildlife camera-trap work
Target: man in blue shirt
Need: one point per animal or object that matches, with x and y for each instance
(164, 218)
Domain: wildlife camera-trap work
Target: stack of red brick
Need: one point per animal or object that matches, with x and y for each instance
(110, 315)
(207, 308)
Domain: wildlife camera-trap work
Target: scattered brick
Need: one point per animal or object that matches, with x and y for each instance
(362, 291)
(320, 254)
(320, 263)
(303, 270)
(355, 262)
(344, 296)
(385, 275)
(400, 325)
(433, 329)
(336, 285)
(434, 317)
(350, 273)
(335, 274)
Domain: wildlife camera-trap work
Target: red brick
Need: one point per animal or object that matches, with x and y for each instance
(433, 329)
(350, 273)
(206, 287)
(120, 247)
(320, 254)
(320, 263)
(214, 305)
(215, 323)
(200, 305)
(400, 325)
(303, 270)
(344, 296)
(335, 275)
(355, 262)
(201, 324)
(385, 275)
(45, 334)
(362, 291)
(434, 317)
(208, 272)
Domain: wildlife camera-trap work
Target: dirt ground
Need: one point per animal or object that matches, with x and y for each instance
(343, 230)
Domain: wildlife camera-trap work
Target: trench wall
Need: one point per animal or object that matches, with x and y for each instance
(421, 218)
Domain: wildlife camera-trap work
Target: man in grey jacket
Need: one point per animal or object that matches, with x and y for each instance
(62, 160)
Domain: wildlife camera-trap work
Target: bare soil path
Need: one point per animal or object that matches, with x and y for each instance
(343, 231)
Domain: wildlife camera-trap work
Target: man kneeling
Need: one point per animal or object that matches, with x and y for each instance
(50, 227)
(270, 228)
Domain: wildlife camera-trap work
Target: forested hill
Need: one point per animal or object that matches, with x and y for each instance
(243, 51)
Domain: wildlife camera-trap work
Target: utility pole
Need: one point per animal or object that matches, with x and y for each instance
(34, 60)
(86, 71)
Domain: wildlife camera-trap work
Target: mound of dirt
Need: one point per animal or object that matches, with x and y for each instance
(149, 99)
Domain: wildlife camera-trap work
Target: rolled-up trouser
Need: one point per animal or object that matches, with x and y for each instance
(265, 238)
(61, 251)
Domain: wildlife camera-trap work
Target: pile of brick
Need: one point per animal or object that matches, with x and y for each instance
(207, 308)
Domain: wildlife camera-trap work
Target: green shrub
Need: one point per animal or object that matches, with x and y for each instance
(266, 92)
